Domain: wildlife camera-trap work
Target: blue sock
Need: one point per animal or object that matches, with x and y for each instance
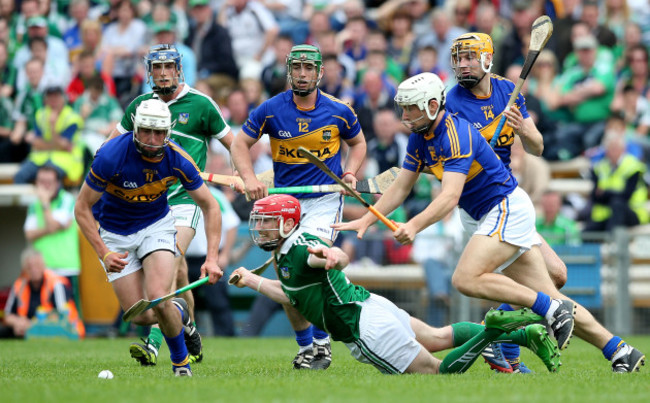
(305, 337)
(612, 345)
(178, 350)
(542, 304)
(510, 351)
(319, 334)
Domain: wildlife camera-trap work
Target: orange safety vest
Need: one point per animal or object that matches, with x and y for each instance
(50, 280)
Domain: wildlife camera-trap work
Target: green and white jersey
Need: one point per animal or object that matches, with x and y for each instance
(197, 119)
(326, 298)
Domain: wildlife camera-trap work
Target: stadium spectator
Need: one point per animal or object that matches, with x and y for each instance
(319, 24)
(524, 12)
(375, 93)
(211, 43)
(122, 40)
(553, 225)
(388, 148)
(100, 111)
(50, 227)
(329, 45)
(274, 73)
(619, 193)
(72, 36)
(56, 50)
(591, 16)
(56, 140)
(290, 17)
(57, 70)
(7, 73)
(353, 40)
(28, 100)
(586, 91)
(20, 24)
(334, 81)
(441, 36)
(86, 69)
(91, 40)
(401, 39)
(38, 290)
(427, 62)
(252, 29)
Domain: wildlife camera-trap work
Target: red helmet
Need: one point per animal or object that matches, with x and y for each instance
(277, 209)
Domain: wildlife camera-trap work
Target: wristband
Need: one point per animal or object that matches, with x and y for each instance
(106, 255)
(347, 173)
(260, 284)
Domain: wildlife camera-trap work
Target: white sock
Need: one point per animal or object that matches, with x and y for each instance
(555, 304)
(322, 342)
(305, 348)
(621, 352)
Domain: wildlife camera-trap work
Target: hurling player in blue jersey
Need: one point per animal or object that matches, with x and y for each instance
(304, 116)
(136, 241)
(480, 97)
(497, 213)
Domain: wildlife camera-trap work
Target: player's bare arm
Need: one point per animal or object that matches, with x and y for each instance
(452, 188)
(114, 261)
(389, 201)
(356, 156)
(240, 152)
(268, 287)
(212, 218)
(327, 258)
(227, 140)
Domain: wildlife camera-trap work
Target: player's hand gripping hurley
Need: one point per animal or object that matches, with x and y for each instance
(540, 34)
(258, 270)
(321, 165)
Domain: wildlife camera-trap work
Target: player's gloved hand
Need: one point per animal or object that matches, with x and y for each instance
(212, 270)
(405, 233)
(114, 261)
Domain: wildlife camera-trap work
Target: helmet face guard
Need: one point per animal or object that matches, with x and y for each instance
(471, 46)
(417, 92)
(152, 114)
(268, 217)
(164, 54)
(300, 57)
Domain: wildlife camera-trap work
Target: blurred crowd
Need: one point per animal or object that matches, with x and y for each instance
(71, 67)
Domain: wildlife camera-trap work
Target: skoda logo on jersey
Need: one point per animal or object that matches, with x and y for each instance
(327, 135)
(183, 118)
(284, 272)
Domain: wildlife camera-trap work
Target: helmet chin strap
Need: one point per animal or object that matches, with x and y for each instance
(149, 154)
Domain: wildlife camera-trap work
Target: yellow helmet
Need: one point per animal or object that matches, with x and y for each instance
(477, 44)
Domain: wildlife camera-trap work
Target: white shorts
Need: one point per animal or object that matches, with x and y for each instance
(386, 339)
(319, 213)
(186, 215)
(160, 235)
(512, 220)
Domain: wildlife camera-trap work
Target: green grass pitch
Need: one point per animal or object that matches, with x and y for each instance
(245, 370)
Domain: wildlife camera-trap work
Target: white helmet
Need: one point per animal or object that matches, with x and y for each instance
(419, 90)
(152, 114)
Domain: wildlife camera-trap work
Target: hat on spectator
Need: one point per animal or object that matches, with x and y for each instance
(194, 3)
(36, 21)
(54, 89)
(162, 27)
(521, 5)
(585, 42)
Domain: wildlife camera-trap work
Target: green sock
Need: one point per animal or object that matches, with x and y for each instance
(155, 337)
(461, 358)
(516, 337)
(464, 331)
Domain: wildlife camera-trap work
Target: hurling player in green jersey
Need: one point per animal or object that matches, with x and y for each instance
(196, 120)
(374, 329)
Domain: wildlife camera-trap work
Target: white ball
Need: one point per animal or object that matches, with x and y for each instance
(105, 374)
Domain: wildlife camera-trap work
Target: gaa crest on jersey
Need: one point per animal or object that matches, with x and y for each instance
(284, 272)
(183, 118)
(327, 135)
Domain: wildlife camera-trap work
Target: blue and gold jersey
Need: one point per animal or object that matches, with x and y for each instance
(134, 188)
(319, 129)
(455, 146)
(485, 112)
